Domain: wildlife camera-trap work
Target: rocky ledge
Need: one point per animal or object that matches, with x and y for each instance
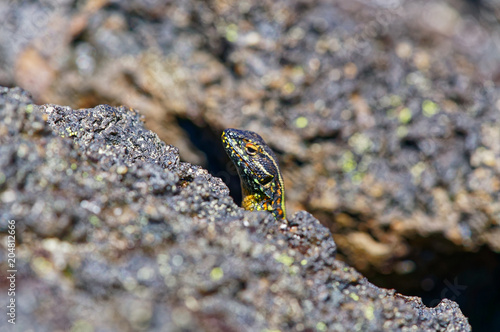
(113, 232)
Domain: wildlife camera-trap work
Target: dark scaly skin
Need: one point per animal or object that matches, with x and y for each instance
(261, 181)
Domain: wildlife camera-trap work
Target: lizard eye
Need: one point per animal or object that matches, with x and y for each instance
(251, 149)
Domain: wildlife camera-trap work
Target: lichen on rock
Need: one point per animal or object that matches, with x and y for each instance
(114, 232)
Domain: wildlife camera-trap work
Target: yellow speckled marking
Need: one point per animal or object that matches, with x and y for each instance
(261, 180)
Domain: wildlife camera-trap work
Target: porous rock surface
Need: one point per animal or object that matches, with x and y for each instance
(384, 114)
(115, 233)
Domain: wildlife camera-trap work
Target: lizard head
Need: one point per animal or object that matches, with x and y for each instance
(255, 161)
(257, 165)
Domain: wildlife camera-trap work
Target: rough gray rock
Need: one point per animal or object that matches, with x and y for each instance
(114, 233)
(384, 114)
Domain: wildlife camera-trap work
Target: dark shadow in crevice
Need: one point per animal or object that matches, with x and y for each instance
(443, 270)
(438, 269)
(208, 142)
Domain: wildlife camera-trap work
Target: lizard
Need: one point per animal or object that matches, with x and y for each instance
(261, 181)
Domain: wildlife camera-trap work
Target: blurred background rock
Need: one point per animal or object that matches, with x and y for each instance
(384, 114)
